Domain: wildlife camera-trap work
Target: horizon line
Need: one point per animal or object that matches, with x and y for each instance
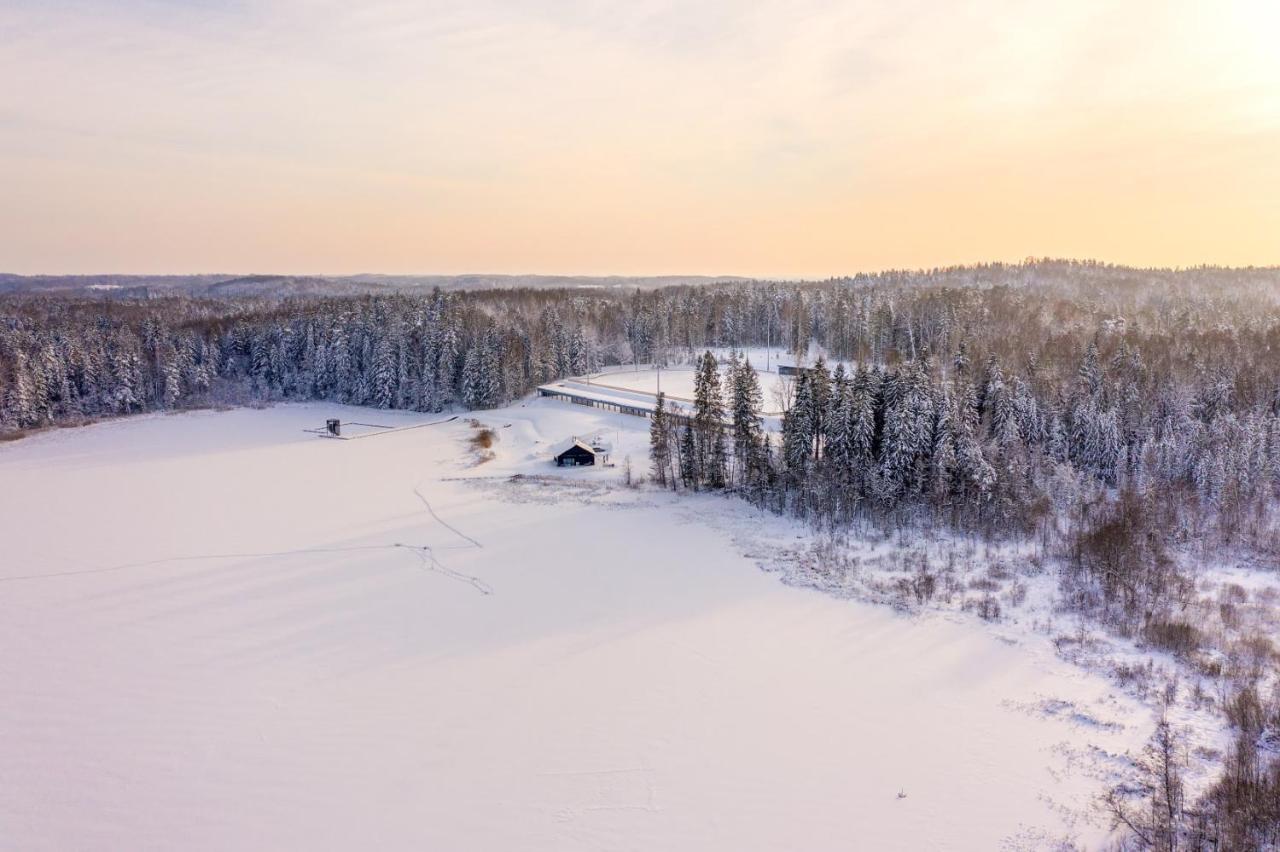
(1028, 261)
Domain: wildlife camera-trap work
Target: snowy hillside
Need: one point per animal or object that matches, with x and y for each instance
(222, 632)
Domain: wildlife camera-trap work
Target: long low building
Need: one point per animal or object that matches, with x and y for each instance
(632, 407)
(634, 403)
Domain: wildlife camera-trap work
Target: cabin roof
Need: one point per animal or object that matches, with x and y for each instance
(568, 444)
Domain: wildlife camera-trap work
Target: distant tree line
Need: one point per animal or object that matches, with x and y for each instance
(64, 359)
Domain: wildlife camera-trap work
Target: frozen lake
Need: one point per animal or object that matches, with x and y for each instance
(221, 632)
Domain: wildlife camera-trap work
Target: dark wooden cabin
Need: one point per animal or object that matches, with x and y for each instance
(577, 454)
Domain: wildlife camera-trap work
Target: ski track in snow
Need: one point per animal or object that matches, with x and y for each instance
(417, 489)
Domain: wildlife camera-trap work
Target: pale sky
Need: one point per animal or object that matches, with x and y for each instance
(768, 138)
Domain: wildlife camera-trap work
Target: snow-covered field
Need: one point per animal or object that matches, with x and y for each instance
(221, 632)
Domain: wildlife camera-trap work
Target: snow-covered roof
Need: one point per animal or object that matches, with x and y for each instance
(568, 443)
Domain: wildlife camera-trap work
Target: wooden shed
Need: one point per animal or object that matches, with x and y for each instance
(573, 453)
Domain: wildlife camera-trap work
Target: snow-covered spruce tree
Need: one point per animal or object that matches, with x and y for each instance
(172, 373)
(820, 402)
(745, 404)
(708, 420)
(716, 471)
(863, 397)
(20, 406)
(943, 459)
(690, 473)
(382, 383)
(127, 375)
(908, 435)
(481, 375)
(840, 428)
(1090, 372)
(797, 431)
(660, 443)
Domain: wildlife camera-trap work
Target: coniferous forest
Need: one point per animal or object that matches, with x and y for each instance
(981, 394)
(1120, 416)
(985, 396)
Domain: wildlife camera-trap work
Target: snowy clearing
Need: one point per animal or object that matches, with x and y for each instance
(222, 632)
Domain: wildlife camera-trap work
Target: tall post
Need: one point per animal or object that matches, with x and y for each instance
(768, 337)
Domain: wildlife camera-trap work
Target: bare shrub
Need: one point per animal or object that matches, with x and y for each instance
(923, 586)
(1122, 555)
(1154, 812)
(481, 443)
(999, 571)
(986, 607)
(984, 584)
(1229, 614)
(483, 439)
(1176, 637)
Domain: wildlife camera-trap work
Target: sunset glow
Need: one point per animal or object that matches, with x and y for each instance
(719, 137)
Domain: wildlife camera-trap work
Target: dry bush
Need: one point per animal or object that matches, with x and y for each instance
(1229, 613)
(984, 584)
(986, 607)
(483, 439)
(1176, 637)
(998, 570)
(1121, 554)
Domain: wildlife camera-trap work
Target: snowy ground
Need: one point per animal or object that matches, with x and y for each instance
(678, 384)
(222, 632)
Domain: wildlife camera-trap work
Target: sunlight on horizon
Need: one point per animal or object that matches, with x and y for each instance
(784, 139)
